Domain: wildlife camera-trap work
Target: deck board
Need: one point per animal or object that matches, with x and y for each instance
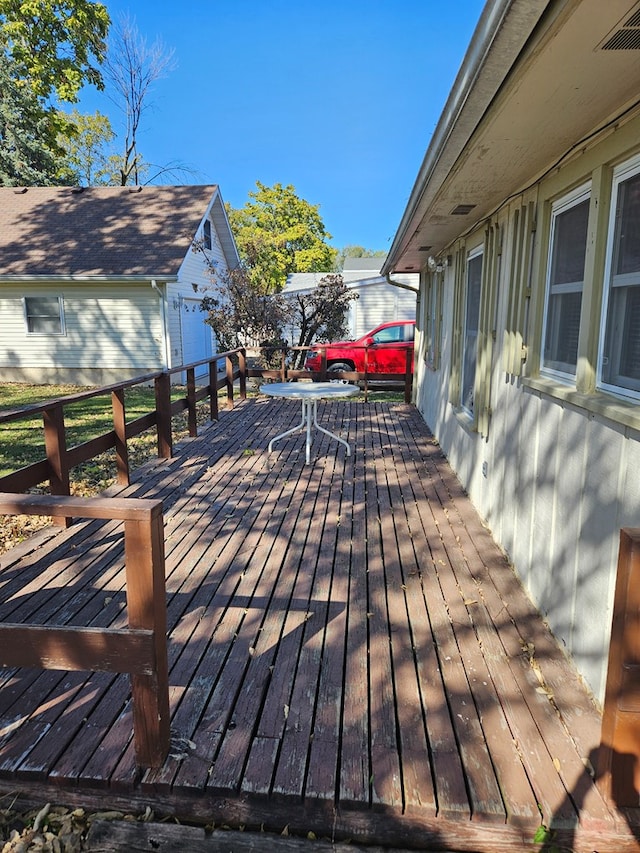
(349, 651)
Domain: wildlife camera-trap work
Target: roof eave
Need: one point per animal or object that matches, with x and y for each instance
(84, 277)
(502, 32)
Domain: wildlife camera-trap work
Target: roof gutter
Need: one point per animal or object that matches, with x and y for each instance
(451, 134)
(82, 278)
(401, 284)
(87, 278)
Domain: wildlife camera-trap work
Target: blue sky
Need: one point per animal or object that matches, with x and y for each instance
(338, 98)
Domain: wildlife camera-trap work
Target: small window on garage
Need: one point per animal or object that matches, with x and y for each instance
(44, 315)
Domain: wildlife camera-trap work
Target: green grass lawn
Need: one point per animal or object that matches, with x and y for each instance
(22, 442)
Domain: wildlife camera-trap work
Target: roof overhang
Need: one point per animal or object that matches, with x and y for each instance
(536, 79)
(159, 278)
(223, 230)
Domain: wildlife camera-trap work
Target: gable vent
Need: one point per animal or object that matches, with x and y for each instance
(627, 36)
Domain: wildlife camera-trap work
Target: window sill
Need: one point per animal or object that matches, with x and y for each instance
(599, 403)
(465, 420)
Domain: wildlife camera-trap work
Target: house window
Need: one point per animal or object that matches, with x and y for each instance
(206, 234)
(44, 315)
(565, 279)
(619, 358)
(470, 332)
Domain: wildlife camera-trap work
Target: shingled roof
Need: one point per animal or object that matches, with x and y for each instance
(104, 231)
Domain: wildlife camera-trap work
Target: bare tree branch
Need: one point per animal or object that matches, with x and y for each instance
(132, 67)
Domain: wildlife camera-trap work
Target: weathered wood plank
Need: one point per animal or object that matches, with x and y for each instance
(77, 648)
(289, 702)
(355, 766)
(386, 786)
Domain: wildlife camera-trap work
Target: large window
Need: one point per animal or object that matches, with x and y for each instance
(565, 279)
(473, 290)
(44, 315)
(619, 359)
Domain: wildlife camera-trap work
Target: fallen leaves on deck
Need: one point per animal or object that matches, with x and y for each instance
(53, 829)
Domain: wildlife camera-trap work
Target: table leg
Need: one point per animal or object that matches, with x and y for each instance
(301, 425)
(309, 416)
(327, 432)
(308, 456)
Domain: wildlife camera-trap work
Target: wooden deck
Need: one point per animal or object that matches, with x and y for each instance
(349, 652)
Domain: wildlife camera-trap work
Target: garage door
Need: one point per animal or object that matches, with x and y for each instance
(197, 336)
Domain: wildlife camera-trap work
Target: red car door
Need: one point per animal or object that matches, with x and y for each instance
(388, 350)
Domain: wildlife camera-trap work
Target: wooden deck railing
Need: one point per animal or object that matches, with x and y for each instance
(618, 769)
(60, 459)
(383, 381)
(141, 648)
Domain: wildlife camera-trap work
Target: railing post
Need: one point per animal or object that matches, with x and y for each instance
(146, 608)
(323, 364)
(408, 375)
(191, 402)
(283, 366)
(618, 770)
(242, 364)
(55, 443)
(163, 414)
(229, 382)
(213, 390)
(366, 374)
(120, 429)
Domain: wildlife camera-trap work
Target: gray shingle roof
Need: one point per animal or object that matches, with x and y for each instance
(99, 231)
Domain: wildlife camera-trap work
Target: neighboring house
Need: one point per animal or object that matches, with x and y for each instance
(101, 284)
(378, 300)
(524, 223)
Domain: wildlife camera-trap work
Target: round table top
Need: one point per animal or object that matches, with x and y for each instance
(309, 390)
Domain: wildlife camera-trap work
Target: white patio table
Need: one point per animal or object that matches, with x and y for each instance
(309, 393)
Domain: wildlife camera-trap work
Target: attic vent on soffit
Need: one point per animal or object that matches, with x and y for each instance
(626, 35)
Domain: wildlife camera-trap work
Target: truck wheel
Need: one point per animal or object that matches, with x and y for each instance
(340, 367)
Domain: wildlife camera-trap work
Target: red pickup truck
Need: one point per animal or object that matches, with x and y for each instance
(386, 348)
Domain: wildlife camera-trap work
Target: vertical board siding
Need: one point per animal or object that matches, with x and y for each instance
(557, 482)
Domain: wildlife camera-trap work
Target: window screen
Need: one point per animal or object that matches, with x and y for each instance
(44, 315)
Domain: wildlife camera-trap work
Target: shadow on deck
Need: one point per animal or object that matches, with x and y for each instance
(349, 652)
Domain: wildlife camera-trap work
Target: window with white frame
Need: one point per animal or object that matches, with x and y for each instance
(564, 285)
(619, 356)
(473, 291)
(44, 315)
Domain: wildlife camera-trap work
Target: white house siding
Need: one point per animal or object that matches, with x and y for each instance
(555, 479)
(379, 302)
(183, 298)
(560, 482)
(111, 332)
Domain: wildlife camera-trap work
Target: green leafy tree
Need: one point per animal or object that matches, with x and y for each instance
(26, 158)
(278, 233)
(356, 252)
(50, 49)
(59, 43)
(87, 156)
